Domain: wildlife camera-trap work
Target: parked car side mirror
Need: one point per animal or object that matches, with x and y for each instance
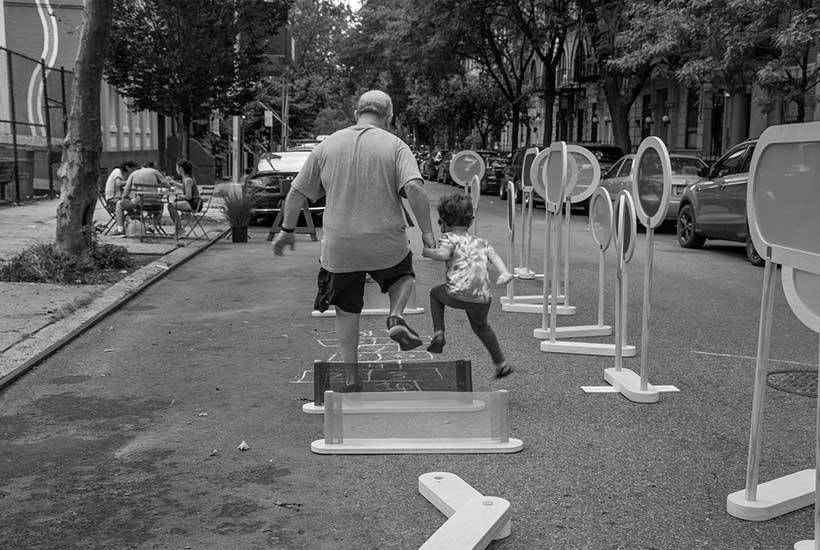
(703, 172)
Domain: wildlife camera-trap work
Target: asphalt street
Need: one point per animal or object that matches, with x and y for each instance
(127, 437)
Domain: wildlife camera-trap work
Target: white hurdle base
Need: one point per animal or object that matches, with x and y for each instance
(804, 545)
(578, 331)
(586, 348)
(393, 406)
(519, 307)
(331, 311)
(526, 274)
(415, 446)
(629, 384)
(774, 498)
(448, 492)
(528, 299)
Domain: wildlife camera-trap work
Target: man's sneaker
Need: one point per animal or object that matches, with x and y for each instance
(401, 333)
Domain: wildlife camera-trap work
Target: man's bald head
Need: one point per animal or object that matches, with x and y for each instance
(377, 104)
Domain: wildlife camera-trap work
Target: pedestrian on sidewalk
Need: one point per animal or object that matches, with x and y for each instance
(144, 179)
(363, 172)
(468, 280)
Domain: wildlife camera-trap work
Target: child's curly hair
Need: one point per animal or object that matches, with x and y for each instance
(456, 210)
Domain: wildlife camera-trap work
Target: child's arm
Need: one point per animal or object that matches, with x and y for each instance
(442, 253)
(504, 276)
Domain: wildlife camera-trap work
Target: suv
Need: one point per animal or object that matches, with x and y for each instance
(274, 172)
(715, 207)
(512, 172)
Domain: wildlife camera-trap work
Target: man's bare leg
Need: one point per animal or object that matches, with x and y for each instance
(347, 331)
(399, 294)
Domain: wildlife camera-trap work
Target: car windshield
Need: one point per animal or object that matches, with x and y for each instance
(686, 165)
(606, 154)
(288, 161)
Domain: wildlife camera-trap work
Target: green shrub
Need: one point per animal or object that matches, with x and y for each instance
(43, 263)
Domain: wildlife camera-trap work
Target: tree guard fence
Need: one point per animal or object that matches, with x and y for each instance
(34, 101)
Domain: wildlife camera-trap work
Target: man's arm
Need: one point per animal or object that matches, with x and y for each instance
(294, 201)
(420, 205)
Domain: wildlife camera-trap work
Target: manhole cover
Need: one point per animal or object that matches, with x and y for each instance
(800, 382)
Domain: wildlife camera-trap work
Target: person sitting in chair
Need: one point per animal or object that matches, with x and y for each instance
(190, 200)
(144, 180)
(116, 181)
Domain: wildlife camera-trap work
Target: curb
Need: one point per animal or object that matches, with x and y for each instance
(51, 338)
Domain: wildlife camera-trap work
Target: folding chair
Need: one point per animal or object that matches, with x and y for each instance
(106, 227)
(193, 220)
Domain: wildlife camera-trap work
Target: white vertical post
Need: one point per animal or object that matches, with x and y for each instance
(647, 294)
(546, 288)
(567, 215)
(601, 278)
(554, 283)
(761, 370)
(236, 150)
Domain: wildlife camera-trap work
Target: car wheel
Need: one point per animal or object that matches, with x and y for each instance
(751, 252)
(687, 237)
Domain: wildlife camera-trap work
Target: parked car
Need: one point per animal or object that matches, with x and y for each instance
(274, 173)
(494, 163)
(606, 155)
(512, 172)
(685, 170)
(715, 206)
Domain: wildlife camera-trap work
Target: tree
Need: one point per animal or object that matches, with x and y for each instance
(545, 25)
(185, 58)
(83, 143)
(483, 33)
(794, 71)
(607, 24)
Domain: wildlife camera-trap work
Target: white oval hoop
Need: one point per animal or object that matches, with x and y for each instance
(656, 145)
(625, 202)
(473, 164)
(796, 294)
(577, 194)
(555, 176)
(601, 197)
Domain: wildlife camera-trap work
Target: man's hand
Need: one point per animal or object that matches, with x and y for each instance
(429, 240)
(282, 240)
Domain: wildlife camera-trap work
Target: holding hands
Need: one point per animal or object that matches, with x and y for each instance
(503, 278)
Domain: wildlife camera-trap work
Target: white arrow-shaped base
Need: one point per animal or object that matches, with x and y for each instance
(474, 520)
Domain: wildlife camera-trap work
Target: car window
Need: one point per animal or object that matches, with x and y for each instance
(290, 161)
(747, 160)
(626, 168)
(613, 172)
(730, 164)
(518, 157)
(686, 165)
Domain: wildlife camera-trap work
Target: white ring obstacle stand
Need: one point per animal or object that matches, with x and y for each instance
(467, 168)
(783, 185)
(583, 179)
(523, 271)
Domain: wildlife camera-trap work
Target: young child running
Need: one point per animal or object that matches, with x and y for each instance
(468, 282)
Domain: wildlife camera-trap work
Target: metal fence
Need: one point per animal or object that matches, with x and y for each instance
(34, 100)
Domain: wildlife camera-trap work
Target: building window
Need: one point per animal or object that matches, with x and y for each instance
(692, 115)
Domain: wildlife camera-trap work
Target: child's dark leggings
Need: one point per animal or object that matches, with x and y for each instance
(476, 313)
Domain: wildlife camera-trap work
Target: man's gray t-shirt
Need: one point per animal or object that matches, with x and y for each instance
(360, 170)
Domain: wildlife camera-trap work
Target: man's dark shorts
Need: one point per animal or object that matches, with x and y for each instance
(346, 290)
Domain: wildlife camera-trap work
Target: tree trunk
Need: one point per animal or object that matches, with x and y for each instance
(619, 111)
(83, 143)
(549, 101)
(516, 121)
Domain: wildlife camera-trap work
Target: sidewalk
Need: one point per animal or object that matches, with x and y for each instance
(37, 317)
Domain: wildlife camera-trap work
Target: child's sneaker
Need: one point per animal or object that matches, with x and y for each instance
(437, 343)
(398, 330)
(505, 369)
